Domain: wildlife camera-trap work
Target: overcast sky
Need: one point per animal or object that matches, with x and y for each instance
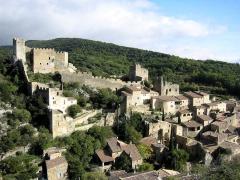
(200, 29)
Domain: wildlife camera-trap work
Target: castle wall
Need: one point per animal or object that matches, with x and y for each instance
(48, 60)
(92, 81)
(83, 119)
(60, 125)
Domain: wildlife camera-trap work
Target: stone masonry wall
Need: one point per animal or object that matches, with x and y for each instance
(93, 81)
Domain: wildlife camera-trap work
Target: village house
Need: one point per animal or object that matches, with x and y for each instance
(55, 165)
(204, 120)
(185, 115)
(197, 98)
(114, 149)
(165, 88)
(134, 96)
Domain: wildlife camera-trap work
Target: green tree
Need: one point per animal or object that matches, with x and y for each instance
(123, 162)
(21, 115)
(145, 167)
(94, 176)
(101, 134)
(74, 110)
(79, 154)
(19, 167)
(145, 151)
(133, 135)
(178, 159)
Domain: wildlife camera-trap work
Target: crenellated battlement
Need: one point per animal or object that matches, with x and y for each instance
(49, 49)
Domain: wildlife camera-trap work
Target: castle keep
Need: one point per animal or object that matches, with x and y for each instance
(42, 60)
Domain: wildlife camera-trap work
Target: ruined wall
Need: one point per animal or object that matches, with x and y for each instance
(137, 73)
(166, 88)
(60, 125)
(93, 81)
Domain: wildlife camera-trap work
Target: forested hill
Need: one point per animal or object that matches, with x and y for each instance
(109, 59)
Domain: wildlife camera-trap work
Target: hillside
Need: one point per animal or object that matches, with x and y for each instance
(108, 59)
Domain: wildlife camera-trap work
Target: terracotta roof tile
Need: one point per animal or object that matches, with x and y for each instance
(103, 156)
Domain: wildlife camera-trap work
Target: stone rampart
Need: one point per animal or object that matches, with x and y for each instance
(94, 81)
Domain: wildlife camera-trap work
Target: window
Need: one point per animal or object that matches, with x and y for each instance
(49, 58)
(57, 93)
(40, 63)
(47, 63)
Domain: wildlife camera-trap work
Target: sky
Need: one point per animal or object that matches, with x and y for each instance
(199, 29)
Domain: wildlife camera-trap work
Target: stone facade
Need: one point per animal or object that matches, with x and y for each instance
(43, 60)
(134, 96)
(165, 88)
(60, 124)
(55, 165)
(138, 73)
(48, 60)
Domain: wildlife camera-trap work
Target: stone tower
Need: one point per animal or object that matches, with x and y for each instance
(165, 88)
(19, 49)
(138, 73)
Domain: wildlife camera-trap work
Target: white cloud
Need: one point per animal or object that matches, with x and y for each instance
(135, 23)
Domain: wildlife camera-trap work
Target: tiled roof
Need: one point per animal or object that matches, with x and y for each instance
(166, 98)
(103, 156)
(201, 93)
(132, 151)
(55, 162)
(113, 144)
(148, 140)
(205, 117)
(184, 111)
(192, 94)
(220, 123)
(190, 124)
(134, 88)
(150, 175)
(181, 97)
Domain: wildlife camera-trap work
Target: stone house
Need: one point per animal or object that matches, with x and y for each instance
(197, 98)
(55, 165)
(204, 120)
(160, 130)
(165, 88)
(114, 149)
(185, 115)
(164, 103)
(55, 99)
(135, 95)
(183, 102)
(193, 128)
(213, 137)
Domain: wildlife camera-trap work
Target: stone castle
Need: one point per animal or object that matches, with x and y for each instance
(44, 60)
(200, 124)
